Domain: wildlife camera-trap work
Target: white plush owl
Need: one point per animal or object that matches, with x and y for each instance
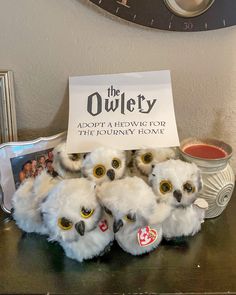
(67, 165)
(145, 159)
(137, 217)
(27, 199)
(177, 183)
(75, 219)
(104, 164)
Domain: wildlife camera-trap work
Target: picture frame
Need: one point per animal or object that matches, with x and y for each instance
(13, 158)
(8, 125)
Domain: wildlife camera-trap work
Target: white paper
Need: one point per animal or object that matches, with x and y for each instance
(121, 111)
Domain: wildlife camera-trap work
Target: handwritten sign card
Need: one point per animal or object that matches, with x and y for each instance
(121, 111)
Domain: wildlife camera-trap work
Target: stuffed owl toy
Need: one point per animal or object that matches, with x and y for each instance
(137, 217)
(145, 159)
(104, 164)
(75, 219)
(177, 184)
(66, 165)
(27, 199)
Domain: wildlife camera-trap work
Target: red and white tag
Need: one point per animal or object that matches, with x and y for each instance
(103, 225)
(146, 236)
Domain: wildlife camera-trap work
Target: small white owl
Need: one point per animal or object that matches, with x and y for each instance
(137, 217)
(67, 165)
(75, 219)
(145, 159)
(177, 183)
(104, 164)
(27, 199)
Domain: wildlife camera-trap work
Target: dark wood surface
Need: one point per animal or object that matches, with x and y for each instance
(205, 263)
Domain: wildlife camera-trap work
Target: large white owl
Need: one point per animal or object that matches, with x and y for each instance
(27, 199)
(177, 183)
(67, 165)
(104, 164)
(137, 217)
(145, 159)
(75, 219)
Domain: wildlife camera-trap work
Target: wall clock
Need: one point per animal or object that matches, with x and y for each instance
(174, 15)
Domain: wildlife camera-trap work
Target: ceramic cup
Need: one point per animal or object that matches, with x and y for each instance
(217, 174)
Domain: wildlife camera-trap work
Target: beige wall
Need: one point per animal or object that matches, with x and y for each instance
(45, 41)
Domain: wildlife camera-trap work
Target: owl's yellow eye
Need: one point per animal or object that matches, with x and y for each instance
(107, 211)
(188, 187)
(86, 213)
(130, 217)
(116, 163)
(99, 171)
(147, 158)
(65, 223)
(165, 186)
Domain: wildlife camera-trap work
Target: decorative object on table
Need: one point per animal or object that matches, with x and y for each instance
(174, 15)
(20, 160)
(104, 164)
(212, 157)
(75, 219)
(27, 200)
(177, 183)
(143, 160)
(131, 203)
(67, 165)
(8, 127)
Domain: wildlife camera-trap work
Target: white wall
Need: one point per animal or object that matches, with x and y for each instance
(44, 42)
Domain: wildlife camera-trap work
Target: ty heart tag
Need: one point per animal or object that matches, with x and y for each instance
(146, 236)
(103, 225)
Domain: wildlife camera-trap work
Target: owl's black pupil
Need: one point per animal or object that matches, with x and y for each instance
(115, 164)
(107, 211)
(99, 171)
(148, 158)
(188, 187)
(130, 217)
(165, 187)
(86, 211)
(65, 222)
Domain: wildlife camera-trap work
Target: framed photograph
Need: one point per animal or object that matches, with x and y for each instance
(20, 160)
(8, 127)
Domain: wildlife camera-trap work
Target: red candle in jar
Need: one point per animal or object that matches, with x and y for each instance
(205, 151)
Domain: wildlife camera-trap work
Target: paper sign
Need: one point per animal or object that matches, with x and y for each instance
(121, 111)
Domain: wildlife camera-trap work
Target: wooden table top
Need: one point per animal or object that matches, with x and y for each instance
(205, 263)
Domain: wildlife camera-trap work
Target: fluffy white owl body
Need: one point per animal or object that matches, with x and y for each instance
(177, 183)
(66, 165)
(104, 164)
(32, 192)
(94, 243)
(74, 218)
(144, 159)
(185, 221)
(133, 207)
(27, 200)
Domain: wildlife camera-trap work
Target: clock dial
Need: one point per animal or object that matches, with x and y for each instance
(174, 15)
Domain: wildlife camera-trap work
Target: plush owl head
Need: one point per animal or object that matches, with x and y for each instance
(145, 159)
(71, 210)
(176, 182)
(104, 164)
(131, 203)
(66, 165)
